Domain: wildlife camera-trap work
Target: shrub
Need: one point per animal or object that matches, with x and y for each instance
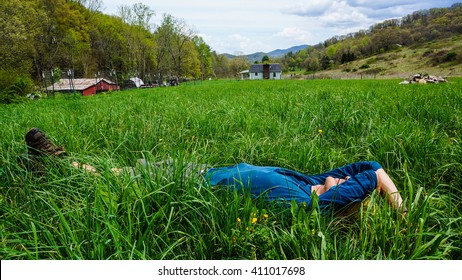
(427, 53)
(22, 86)
(450, 56)
(373, 60)
(364, 66)
(6, 78)
(9, 97)
(12, 92)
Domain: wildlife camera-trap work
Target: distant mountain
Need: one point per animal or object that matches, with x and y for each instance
(275, 54)
(281, 53)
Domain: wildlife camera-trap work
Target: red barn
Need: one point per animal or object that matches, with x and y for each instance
(84, 86)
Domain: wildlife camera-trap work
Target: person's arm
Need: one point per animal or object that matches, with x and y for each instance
(388, 189)
(91, 169)
(331, 181)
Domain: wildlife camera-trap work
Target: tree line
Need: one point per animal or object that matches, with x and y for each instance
(419, 27)
(39, 35)
(42, 39)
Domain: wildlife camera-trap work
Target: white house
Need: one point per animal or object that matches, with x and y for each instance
(271, 71)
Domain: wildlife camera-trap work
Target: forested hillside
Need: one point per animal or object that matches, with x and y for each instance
(417, 28)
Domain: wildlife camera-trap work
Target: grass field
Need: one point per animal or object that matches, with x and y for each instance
(414, 131)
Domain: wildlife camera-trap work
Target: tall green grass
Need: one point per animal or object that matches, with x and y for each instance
(414, 131)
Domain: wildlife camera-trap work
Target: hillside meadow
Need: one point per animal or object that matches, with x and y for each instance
(414, 131)
(427, 58)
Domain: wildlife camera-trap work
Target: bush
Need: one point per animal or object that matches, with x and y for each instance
(450, 56)
(6, 78)
(364, 66)
(9, 97)
(22, 86)
(427, 53)
(12, 92)
(442, 57)
(373, 60)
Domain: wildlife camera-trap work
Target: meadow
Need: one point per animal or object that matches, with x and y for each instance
(414, 131)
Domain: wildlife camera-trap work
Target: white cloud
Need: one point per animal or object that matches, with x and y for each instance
(245, 44)
(265, 25)
(296, 34)
(343, 15)
(331, 13)
(377, 10)
(380, 4)
(308, 8)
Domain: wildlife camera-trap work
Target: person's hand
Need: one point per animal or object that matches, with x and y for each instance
(336, 181)
(85, 167)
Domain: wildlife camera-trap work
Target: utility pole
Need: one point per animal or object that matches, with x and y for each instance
(53, 81)
(96, 83)
(100, 85)
(97, 79)
(114, 74)
(45, 82)
(70, 76)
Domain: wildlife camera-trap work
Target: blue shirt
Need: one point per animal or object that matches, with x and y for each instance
(276, 183)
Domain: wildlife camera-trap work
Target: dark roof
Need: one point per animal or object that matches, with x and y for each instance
(258, 68)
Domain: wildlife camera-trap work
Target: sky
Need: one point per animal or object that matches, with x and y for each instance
(245, 27)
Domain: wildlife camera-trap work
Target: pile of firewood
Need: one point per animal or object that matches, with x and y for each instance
(424, 79)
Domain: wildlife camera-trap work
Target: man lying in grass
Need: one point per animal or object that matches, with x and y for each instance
(335, 189)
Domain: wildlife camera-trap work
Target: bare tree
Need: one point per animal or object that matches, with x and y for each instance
(143, 15)
(172, 37)
(125, 13)
(92, 5)
(138, 17)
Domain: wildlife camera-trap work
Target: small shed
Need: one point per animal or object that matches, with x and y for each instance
(138, 82)
(84, 86)
(271, 71)
(132, 83)
(245, 75)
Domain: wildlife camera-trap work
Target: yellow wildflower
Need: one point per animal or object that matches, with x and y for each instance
(320, 131)
(238, 220)
(254, 220)
(265, 216)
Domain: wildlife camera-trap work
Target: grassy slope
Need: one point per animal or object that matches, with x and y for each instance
(405, 62)
(414, 131)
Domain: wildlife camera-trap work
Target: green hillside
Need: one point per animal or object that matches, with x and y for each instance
(434, 58)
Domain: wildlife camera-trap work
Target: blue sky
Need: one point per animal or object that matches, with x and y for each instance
(243, 26)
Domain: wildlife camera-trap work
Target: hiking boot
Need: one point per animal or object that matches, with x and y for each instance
(39, 144)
